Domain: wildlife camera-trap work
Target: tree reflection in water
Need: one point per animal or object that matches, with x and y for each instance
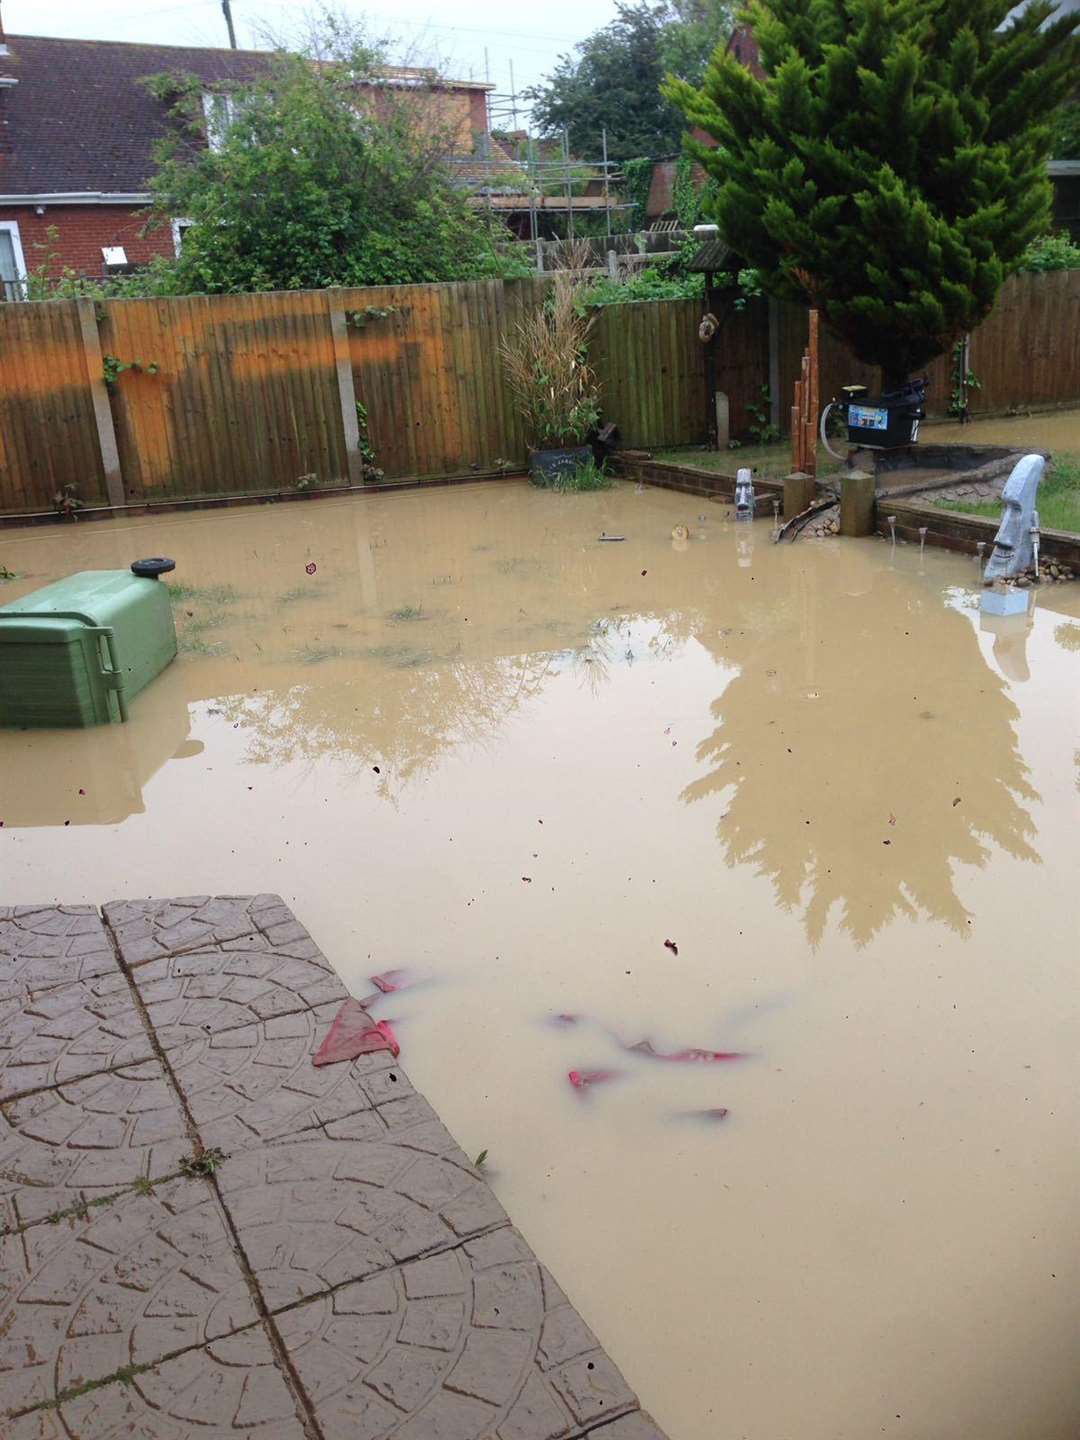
(864, 750)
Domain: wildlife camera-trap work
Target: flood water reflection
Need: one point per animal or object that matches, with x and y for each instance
(864, 750)
(799, 803)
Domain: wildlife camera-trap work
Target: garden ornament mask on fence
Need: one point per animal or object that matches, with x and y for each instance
(1013, 552)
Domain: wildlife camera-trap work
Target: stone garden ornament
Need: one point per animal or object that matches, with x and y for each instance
(1014, 543)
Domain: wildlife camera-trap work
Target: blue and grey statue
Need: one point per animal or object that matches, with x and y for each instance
(744, 494)
(1017, 537)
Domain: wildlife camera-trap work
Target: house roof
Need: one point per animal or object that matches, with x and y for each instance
(79, 124)
(78, 120)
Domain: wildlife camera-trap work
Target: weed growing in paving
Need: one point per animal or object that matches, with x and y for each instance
(205, 1163)
(408, 612)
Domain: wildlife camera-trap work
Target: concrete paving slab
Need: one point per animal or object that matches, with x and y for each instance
(204, 993)
(152, 929)
(54, 1036)
(229, 1390)
(256, 1083)
(141, 1278)
(87, 1139)
(311, 1215)
(338, 1271)
(452, 1345)
(41, 947)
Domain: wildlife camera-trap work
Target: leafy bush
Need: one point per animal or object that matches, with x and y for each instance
(1051, 252)
(654, 282)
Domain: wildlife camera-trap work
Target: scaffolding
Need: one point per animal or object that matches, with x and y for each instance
(540, 176)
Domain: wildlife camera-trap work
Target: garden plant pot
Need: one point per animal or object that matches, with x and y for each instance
(547, 465)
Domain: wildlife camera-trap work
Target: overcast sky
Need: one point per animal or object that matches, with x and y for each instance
(531, 38)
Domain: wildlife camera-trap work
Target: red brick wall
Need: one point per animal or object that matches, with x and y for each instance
(478, 115)
(82, 231)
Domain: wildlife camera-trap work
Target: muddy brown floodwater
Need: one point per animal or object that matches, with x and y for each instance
(483, 744)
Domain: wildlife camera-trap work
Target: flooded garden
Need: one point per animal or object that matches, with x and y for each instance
(734, 885)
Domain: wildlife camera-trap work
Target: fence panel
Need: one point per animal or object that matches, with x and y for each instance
(427, 367)
(48, 438)
(243, 393)
(652, 371)
(244, 396)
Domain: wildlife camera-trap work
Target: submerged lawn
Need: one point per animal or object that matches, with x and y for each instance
(1059, 498)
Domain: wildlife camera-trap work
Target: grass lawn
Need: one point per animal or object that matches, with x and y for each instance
(768, 461)
(1059, 497)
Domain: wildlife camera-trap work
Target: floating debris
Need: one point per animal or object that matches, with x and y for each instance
(354, 1033)
(691, 1056)
(583, 1079)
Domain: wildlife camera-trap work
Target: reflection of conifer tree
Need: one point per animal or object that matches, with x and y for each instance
(873, 703)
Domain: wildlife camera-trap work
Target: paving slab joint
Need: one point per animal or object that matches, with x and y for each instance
(205, 1163)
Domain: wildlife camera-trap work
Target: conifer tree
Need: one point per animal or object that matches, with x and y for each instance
(890, 168)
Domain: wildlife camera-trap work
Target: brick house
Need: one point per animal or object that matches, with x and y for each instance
(77, 132)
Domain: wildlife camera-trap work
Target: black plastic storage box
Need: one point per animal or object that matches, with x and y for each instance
(890, 422)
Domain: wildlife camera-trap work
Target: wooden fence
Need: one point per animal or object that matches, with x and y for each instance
(245, 394)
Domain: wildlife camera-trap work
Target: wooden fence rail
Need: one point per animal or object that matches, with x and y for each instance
(234, 394)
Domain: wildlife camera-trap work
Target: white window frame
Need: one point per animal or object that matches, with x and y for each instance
(11, 227)
(219, 109)
(179, 225)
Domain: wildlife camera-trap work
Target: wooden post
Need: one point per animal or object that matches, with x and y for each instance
(857, 503)
(775, 398)
(350, 424)
(99, 395)
(797, 428)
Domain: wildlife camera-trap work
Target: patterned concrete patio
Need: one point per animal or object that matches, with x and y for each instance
(201, 1234)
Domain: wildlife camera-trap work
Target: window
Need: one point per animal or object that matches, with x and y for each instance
(220, 110)
(12, 264)
(179, 229)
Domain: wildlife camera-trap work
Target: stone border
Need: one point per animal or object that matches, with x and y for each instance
(639, 465)
(954, 530)
(203, 1235)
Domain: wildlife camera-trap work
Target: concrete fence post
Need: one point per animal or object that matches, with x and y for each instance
(350, 423)
(99, 396)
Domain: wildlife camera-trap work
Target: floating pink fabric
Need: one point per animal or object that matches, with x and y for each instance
(391, 980)
(353, 1033)
(582, 1079)
(684, 1057)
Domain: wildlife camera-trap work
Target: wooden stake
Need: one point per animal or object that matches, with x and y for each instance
(99, 396)
(350, 423)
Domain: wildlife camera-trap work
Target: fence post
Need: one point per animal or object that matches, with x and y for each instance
(350, 424)
(774, 363)
(99, 395)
